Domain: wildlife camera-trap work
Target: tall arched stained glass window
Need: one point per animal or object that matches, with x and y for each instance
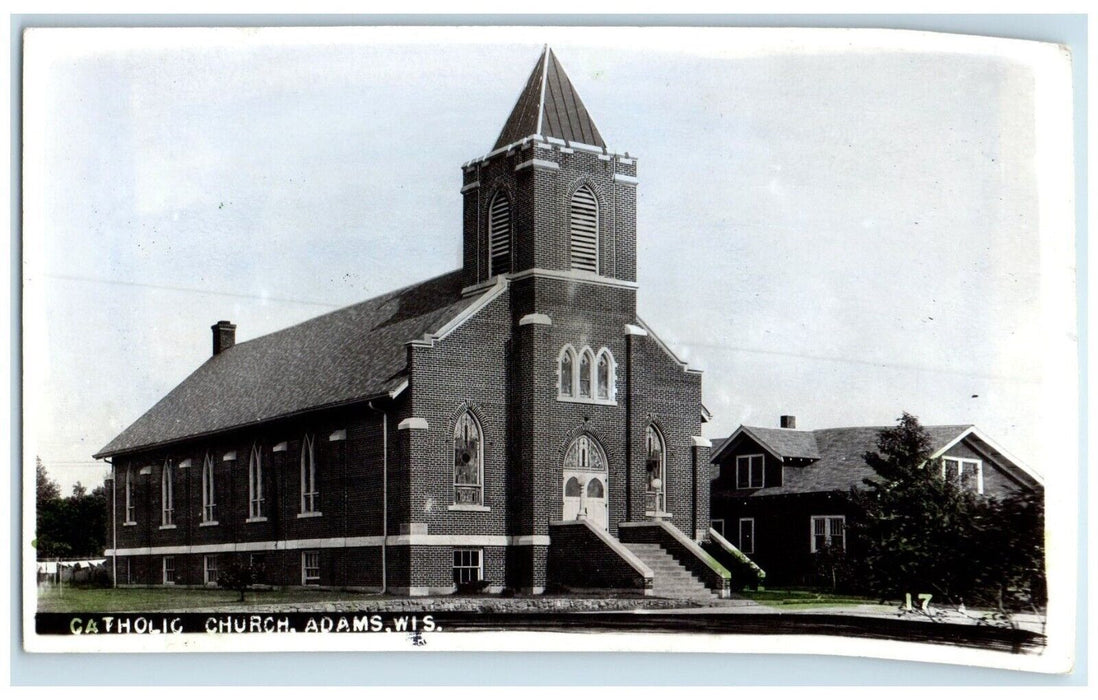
(468, 461)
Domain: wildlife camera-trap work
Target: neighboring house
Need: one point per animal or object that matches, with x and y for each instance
(513, 421)
(779, 494)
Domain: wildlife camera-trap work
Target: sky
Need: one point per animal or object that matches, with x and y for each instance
(840, 226)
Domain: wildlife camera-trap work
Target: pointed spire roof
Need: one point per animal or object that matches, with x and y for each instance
(550, 106)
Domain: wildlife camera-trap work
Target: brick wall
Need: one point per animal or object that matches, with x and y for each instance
(602, 567)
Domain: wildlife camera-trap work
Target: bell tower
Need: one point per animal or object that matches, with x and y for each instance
(550, 197)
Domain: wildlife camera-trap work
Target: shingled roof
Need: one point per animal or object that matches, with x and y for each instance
(348, 355)
(840, 454)
(549, 106)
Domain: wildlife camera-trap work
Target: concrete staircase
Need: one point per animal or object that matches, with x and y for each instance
(670, 578)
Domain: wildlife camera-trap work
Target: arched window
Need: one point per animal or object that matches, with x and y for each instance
(585, 375)
(468, 461)
(255, 484)
(602, 375)
(209, 507)
(167, 494)
(583, 228)
(655, 464)
(309, 493)
(131, 511)
(584, 454)
(499, 234)
(567, 367)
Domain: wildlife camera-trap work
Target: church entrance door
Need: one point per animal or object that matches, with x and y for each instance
(585, 482)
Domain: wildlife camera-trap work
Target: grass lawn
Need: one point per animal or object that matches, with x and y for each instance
(804, 598)
(148, 599)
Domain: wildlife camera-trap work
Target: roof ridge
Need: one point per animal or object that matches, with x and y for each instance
(390, 294)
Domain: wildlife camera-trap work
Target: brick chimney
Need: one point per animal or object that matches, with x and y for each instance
(224, 336)
(789, 422)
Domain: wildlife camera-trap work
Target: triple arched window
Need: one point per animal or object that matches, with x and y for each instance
(499, 234)
(583, 230)
(468, 461)
(586, 375)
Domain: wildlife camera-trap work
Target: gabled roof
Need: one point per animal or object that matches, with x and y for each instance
(549, 106)
(840, 461)
(348, 355)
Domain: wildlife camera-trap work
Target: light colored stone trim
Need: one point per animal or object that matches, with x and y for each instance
(564, 149)
(419, 540)
(312, 514)
(630, 329)
(257, 519)
(166, 527)
(627, 161)
(413, 423)
(538, 164)
(468, 507)
(700, 441)
(208, 523)
(605, 156)
(185, 464)
(280, 447)
(144, 471)
(535, 320)
(471, 186)
(626, 179)
(497, 288)
(229, 457)
(337, 436)
(586, 147)
(573, 276)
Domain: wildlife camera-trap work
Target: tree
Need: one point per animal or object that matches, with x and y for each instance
(918, 532)
(47, 489)
(68, 527)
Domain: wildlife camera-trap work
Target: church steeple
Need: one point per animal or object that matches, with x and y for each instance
(550, 198)
(549, 106)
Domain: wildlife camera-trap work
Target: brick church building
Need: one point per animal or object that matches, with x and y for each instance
(513, 422)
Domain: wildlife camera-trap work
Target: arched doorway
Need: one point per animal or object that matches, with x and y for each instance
(585, 482)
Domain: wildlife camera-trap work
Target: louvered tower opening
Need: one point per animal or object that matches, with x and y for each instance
(584, 230)
(499, 234)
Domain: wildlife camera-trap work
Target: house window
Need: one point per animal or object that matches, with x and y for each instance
(828, 531)
(747, 535)
(131, 511)
(310, 568)
(749, 472)
(499, 234)
(310, 496)
(255, 484)
(967, 474)
(209, 570)
(655, 463)
(169, 570)
(167, 488)
(468, 566)
(468, 461)
(584, 230)
(209, 504)
(717, 526)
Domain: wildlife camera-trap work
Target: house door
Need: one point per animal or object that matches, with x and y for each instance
(585, 484)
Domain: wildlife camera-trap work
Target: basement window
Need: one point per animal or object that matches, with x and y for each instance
(468, 566)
